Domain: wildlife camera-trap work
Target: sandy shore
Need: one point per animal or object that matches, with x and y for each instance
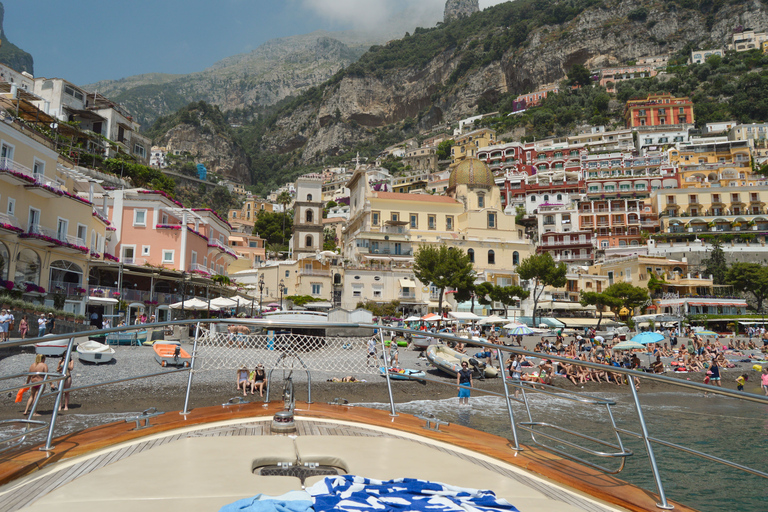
(166, 393)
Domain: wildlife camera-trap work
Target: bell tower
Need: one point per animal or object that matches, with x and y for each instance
(308, 216)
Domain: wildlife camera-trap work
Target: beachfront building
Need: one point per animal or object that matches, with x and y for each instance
(385, 229)
(597, 139)
(657, 110)
(306, 276)
(250, 250)
(559, 234)
(50, 230)
(718, 210)
(717, 162)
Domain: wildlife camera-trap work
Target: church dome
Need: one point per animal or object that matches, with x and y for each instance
(471, 172)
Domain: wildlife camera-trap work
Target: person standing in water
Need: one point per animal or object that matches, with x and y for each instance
(38, 366)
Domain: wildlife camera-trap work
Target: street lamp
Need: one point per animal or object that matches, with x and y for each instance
(261, 293)
(282, 284)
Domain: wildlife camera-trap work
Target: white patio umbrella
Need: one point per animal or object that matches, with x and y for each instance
(194, 304)
(413, 318)
(223, 302)
(493, 319)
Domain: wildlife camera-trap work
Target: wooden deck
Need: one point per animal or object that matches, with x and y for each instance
(119, 441)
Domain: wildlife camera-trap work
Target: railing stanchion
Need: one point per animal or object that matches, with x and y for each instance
(644, 429)
(59, 396)
(386, 371)
(191, 369)
(509, 403)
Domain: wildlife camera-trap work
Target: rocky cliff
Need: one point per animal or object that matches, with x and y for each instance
(10, 54)
(456, 9)
(482, 63)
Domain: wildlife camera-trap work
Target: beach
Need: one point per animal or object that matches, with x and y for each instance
(216, 387)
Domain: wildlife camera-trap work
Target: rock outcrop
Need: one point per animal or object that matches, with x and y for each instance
(455, 9)
(10, 54)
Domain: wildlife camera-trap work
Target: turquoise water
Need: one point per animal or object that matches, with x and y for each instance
(723, 427)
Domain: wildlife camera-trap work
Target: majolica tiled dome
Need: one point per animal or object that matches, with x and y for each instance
(472, 172)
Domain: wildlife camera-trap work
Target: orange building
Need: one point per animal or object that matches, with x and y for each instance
(658, 110)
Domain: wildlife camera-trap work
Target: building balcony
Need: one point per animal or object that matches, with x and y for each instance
(201, 269)
(316, 272)
(15, 173)
(44, 187)
(561, 243)
(47, 237)
(10, 224)
(407, 295)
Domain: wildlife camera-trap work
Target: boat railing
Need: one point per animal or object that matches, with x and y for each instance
(542, 429)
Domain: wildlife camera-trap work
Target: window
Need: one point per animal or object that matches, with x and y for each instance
(515, 258)
(533, 199)
(395, 217)
(61, 229)
(491, 221)
(559, 197)
(491, 257)
(316, 288)
(309, 197)
(414, 221)
(308, 241)
(481, 200)
(6, 152)
(139, 217)
(82, 232)
(471, 254)
(145, 250)
(139, 150)
(167, 256)
(432, 221)
(449, 223)
(375, 218)
(38, 168)
(309, 216)
(193, 258)
(11, 206)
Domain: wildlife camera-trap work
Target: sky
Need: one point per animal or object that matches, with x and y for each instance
(86, 41)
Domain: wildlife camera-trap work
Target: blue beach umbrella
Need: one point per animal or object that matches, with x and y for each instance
(648, 337)
(519, 330)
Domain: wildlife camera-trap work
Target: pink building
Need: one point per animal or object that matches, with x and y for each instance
(154, 230)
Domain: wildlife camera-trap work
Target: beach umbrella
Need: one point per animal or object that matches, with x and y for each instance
(519, 330)
(493, 319)
(706, 333)
(413, 318)
(648, 337)
(628, 345)
(430, 317)
(223, 302)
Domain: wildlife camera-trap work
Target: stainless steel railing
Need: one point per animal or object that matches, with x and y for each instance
(535, 428)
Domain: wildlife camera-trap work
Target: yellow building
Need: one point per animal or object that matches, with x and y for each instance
(717, 209)
(385, 229)
(243, 218)
(50, 231)
(466, 146)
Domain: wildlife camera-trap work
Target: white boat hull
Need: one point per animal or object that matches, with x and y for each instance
(95, 352)
(55, 348)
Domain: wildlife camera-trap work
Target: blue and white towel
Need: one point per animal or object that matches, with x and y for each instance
(349, 493)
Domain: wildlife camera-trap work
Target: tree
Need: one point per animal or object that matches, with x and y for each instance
(599, 300)
(750, 278)
(284, 199)
(629, 296)
(505, 294)
(579, 75)
(267, 226)
(542, 270)
(444, 149)
(656, 284)
(466, 291)
(716, 265)
(442, 267)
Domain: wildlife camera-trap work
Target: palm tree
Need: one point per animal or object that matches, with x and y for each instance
(284, 199)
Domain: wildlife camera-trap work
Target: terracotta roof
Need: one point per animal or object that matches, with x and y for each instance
(421, 198)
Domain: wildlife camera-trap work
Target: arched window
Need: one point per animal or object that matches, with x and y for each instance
(515, 258)
(4, 261)
(546, 197)
(27, 267)
(64, 272)
(309, 216)
(471, 254)
(491, 257)
(309, 197)
(308, 241)
(559, 197)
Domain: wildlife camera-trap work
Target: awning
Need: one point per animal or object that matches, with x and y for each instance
(101, 300)
(584, 322)
(318, 305)
(464, 317)
(407, 283)
(565, 305)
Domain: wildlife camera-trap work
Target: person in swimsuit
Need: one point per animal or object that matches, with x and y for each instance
(464, 378)
(40, 367)
(241, 379)
(67, 382)
(258, 379)
(764, 381)
(715, 377)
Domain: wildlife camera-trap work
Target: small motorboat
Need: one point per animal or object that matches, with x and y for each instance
(53, 348)
(95, 352)
(402, 373)
(169, 353)
(449, 361)
(127, 338)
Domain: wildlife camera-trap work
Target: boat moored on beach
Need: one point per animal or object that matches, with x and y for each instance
(449, 361)
(94, 352)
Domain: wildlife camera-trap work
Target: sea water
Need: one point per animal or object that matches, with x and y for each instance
(724, 427)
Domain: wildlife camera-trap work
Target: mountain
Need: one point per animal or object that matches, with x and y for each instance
(441, 74)
(10, 54)
(275, 70)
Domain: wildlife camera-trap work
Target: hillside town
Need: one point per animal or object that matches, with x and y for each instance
(645, 204)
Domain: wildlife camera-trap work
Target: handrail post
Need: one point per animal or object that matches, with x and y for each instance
(386, 371)
(191, 370)
(509, 403)
(656, 476)
(59, 395)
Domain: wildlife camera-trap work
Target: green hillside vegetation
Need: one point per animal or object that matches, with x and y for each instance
(137, 99)
(204, 116)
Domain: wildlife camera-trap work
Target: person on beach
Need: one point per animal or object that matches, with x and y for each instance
(23, 327)
(715, 377)
(464, 378)
(50, 324)
(38, 366)
(67, 382)
(371, 351)
(241, 379)
(5, 325)
(41, 325)
(394, 355)
(258, 379)
(764, 381)
(741, 380)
